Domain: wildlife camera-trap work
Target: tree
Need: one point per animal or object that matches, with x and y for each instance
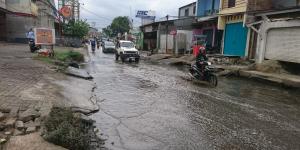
(76, 28)
(120, 25)
(107, 31)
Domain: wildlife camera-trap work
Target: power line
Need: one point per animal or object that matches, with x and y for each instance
(96, 14)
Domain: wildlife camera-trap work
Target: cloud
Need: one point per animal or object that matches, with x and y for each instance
(103, 11)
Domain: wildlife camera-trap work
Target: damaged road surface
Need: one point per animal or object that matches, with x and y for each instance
(145, 107)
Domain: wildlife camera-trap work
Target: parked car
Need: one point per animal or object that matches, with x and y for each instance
(108, 47)
(126, 51)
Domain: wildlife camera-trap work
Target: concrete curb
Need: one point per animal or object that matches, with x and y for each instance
(283, 79)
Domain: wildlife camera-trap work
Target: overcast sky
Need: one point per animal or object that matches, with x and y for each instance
(106, 10)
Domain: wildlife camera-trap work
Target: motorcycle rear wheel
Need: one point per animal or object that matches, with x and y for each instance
(213, 80)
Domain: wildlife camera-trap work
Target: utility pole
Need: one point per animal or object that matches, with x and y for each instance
(167, 33)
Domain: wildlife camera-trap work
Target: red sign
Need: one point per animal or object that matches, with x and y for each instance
(173, 32)
(44, 36)
(66, 11)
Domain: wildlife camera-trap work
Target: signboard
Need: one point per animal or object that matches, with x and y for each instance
(66, 12)
(173, 32)
(44, 36)
(145, 14)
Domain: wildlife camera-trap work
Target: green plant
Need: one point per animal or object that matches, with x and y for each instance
(76, 28)
(62, 128)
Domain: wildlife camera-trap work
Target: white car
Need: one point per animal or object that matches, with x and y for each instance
(126, 51)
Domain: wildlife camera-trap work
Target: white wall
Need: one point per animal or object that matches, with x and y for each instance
(191, 9)
(287, 43)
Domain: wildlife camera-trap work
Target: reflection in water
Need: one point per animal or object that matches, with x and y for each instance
(151, 107)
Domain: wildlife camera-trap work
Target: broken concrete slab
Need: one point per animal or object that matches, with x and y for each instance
(157, 57)
(18, 132)
(29, 114)
(30, 142)
(2, 116)
(30, 130)
(80, 73)
(84, 118)
(10, 122)
(79, 100)
(284, 79)
(19, 125)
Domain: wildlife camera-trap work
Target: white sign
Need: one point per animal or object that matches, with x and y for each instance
(145, 14)
(44, 36)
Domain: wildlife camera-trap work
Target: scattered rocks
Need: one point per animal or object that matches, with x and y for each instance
(84, 118)
(2, 116)
(29, 114)
(30, 130)
(7, 133)
(19, 125)
(2, 141)
(10, 122)
(18, 132)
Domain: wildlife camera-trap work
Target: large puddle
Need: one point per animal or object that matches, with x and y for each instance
(147, 106)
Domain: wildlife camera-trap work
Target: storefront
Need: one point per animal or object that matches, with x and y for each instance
(235, 38)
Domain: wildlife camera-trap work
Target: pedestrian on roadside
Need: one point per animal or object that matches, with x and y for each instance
(30, 35)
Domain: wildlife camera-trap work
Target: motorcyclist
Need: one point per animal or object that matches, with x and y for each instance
(201, 59)
(93, 44)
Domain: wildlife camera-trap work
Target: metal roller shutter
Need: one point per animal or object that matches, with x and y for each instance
(283, 44)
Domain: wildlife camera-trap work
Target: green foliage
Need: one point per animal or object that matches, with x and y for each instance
(107, 31)
(119, 25)
(62, 128)
(76, 28)
(69, 56)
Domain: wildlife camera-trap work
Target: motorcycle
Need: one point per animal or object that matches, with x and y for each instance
(207, 75)
(93, 48)
(33, 47)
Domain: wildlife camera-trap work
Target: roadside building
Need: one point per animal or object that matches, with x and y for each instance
(231, 20)
(27, 14)
(3, 12)
(187, 10)
(156, 36)
(183, 31)
(206, 24)
(275, 25)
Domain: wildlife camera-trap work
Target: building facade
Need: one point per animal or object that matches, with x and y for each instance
(276, 25)
(187, 10)
(3, 12)
(28, 14)
(206, 24)
(231, 21)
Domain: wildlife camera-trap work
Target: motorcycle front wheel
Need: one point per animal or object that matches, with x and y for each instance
(213, 80)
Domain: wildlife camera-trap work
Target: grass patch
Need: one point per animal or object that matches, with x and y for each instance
(63, 129)
(62, 58)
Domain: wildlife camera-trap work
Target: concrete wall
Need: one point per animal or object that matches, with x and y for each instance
(262, 42)
(190, 8)
(45, 15)
(33, 15)
(2, 26)
(184, 40)
(18, 26)
(21, 6)
(2, 4)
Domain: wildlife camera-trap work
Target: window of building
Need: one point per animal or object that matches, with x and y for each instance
(186, 12)
(231, 3)
(194, 10)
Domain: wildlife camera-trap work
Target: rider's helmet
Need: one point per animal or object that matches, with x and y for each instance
(202, 51)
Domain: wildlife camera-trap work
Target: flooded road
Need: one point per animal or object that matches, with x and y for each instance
(152, 107)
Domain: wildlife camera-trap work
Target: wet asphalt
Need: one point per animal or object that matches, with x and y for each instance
(154, 107)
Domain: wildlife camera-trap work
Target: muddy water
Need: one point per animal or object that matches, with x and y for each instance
(145, 107)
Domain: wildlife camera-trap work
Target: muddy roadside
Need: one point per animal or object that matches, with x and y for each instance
(30, 88)
(273, 72)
